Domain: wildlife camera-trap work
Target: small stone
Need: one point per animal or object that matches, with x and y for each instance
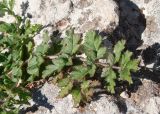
(124, 95)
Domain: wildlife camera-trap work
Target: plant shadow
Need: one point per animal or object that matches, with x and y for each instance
(132, 24)
(39, 100)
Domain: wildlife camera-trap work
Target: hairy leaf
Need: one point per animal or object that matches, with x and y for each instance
(7, 27)
(92, 46)
(58, 65)
(70, 43)
(11, 4)
(125, 75)
(79, 72)
(101, 52)
(118, 48)
(85, 86)
(92, 70)
(76, 93)
(66, 89)
(33, 66)
(49, 70)
(126, 57)
(64, 82)
(110, 77)
(133, 65)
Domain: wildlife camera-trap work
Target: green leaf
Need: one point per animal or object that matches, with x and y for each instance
(110, 77)
(118, 48)
(92, 70)
(85, 87)
(97, 42)
(133, 65)
(76, 94)
(125, 75)
(3, 8)
(7, 27)
(30, 46)
(49, 70)
(11, 4)
(101, 52)
(110, 58)
(46, 37)
(65, 90)
(5, 2)
(79, 72)
(58, 65)
(89, 45)
(42, 49)
(68, 59)
(34, 63)
(64, 82)
(126, 57)
(33, 29)
(17, 73)
(92, 46)
(70, 43)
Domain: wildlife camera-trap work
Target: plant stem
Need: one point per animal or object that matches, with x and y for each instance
(108, 65)
(84, 60)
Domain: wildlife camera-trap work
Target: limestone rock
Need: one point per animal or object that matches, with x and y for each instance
(94, 14)
(81, 14)
(152, 105)
(48, 103)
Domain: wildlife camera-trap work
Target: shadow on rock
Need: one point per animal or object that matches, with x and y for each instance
(39, 100)
(151, 57)
(132, 23)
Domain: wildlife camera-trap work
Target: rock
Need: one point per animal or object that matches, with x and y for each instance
(133, 109)
(62, 14)
(151, 10)
(146, 98)
(151, 105)
(104, 105)
(45, 101)
(43, 11)
(124, 95)
(94, 14)
(48, 103)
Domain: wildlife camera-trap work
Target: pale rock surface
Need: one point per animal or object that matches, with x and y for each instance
(94, 14)
(62, 14)
(146, 99)
(152, 105)
(46, 99)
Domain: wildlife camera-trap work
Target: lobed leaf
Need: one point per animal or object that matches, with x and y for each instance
(125, 75)
(70, 43)
(110, 77)
(49, 70)
(79, 72)
(76, 94)
(92, 46)
(118, 48)
(7, 27)
(66, 90)
(11, 4)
